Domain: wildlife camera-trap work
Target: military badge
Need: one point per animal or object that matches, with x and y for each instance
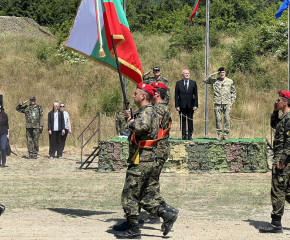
(144, 85)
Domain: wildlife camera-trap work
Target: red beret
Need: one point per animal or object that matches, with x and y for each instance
(284, 93)
(147, 88)
(159, 85)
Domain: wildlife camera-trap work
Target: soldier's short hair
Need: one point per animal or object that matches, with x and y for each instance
(286, 100)
(162, 92)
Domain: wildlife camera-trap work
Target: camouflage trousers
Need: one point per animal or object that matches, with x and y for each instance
(32, 136)
(280, 190)
(219, 110)
(134, 193)
(152, 191)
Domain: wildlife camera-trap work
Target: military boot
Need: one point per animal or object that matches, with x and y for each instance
(219, 138)
(2, 209)
(132, 233)
(153, 219)
(271, 228)
(169, 217)
(122, 226)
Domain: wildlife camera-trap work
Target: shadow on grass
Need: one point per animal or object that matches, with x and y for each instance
(259, 224)
(77, 212)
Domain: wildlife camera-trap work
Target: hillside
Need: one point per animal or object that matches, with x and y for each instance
(86, 87)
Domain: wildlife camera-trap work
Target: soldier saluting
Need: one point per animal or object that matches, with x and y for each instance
(280, 190)
(34, 124)
(157, 78)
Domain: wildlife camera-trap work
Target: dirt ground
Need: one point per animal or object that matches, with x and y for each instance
(53, 199)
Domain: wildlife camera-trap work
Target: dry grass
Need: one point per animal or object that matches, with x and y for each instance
(82, 86)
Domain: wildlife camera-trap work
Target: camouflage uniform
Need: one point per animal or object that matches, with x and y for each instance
(150, 80)
(121, 124)
(162, 154)
(34, 120)
(224, 96)
(280, 190)
(146, 127)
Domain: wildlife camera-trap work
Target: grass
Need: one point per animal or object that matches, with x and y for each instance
(83, 87)
(57, 183)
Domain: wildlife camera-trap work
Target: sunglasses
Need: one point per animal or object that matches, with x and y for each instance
(61, 106)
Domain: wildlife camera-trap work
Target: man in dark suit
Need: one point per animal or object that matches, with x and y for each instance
(186, 102)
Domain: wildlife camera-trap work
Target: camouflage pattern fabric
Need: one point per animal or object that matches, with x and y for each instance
(150, 80)
(281, 143)
(280, 189)
(137, 177)
(121, 124)
(151, 194)
(32, 136)
(145, 126)
(219, 110)
(224, 90)
(33, 115)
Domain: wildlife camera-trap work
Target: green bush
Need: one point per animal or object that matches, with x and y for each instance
(243, 54)
(274, 39)
(112, 103)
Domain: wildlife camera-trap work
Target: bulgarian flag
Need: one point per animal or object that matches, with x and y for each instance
(96, 21)
(194, 13)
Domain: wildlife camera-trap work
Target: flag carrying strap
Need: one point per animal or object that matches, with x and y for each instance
(147, 143)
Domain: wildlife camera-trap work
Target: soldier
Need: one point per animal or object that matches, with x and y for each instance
(121, 124)
(142, 144)
(280, 190)
(224, 99)
(158, 78)
(162, 151)
(34, 124)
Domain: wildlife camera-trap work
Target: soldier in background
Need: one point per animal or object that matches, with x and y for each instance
(224, 99)
(280, 190)
(121, 124)
(162, 151)
(158, 78)
(34, 125)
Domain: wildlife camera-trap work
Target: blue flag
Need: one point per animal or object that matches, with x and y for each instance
(283, 7)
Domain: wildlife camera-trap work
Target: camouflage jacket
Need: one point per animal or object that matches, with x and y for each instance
(33, 115)
(224, 90)
(145, 127)
(163, 149)
(281, 143)
(150, 80)
(121, 123)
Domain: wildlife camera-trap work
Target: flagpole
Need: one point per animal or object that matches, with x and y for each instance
(206, 66)
(124, 79)
(126, 102)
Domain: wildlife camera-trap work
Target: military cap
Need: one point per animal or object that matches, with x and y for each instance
(147, 88)
(159, 85)
(221, 69)
(32, 98)
(157, 69)
(284, 93)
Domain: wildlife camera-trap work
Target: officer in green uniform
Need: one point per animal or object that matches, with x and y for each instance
(142, 157)
(280, 190)
(158, 78)
(224, 99)
(34, 124)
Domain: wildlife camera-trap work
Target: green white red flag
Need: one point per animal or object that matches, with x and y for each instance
(96, 21)
(194, 12)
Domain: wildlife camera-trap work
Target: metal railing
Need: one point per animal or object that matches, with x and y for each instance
(98, 116)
